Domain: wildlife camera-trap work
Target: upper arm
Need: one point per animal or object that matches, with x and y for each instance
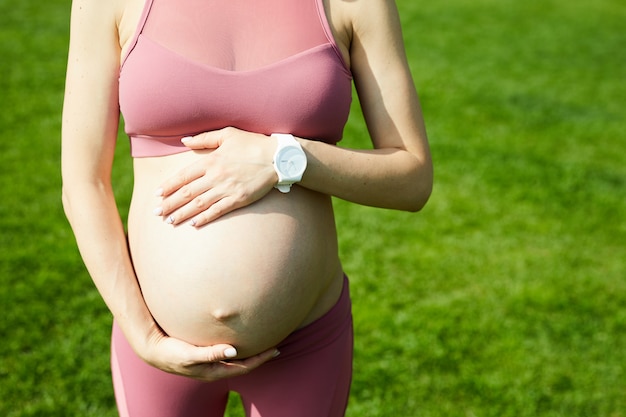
(91, 109)
(383, 79)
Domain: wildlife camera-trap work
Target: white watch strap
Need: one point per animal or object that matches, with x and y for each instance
(285, 139)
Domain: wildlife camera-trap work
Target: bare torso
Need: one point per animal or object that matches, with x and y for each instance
(248, 279)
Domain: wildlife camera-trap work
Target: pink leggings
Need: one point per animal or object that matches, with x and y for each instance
(310, 378)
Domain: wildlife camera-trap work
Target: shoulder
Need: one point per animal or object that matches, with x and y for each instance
(351, 20)
(97, 13)
(377, 19)
(362, 15)
(93, 24)
(111, 23)
(365, 23)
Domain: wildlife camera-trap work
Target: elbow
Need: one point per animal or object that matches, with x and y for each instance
(70, 194)
(419, 199)
(420, 190)
(65, 201)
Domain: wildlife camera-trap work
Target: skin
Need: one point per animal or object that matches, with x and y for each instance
(230, 169)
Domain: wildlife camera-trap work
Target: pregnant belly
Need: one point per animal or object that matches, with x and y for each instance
(248, 279)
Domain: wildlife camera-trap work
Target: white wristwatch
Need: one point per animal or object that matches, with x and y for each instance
(289, 161)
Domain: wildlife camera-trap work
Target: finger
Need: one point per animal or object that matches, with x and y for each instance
(200, 356)
(183, 177)
(217, 353)
(207, 140)
(257, 360)
(216, 210)
(239, 367)
(188, 201)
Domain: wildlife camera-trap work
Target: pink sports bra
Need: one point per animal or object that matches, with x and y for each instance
(266, 66)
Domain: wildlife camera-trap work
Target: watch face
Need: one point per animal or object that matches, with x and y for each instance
(291, 162)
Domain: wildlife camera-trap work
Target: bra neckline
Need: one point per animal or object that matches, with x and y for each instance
(264, 68)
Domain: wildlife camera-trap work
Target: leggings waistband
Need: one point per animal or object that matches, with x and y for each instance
(321, 332)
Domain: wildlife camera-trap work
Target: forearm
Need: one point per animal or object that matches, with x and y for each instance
(100, 236)
(388, 178)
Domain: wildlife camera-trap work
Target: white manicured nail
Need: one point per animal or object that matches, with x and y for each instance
(157, 211)
(186, 139)
(159, 192)
(230, 352)
(170, 220)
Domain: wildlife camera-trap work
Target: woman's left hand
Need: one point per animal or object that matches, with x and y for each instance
(235, 173)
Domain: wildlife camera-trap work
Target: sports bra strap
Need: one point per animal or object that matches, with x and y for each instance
(142, 21)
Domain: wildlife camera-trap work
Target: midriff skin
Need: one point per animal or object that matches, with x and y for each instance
(248, 279)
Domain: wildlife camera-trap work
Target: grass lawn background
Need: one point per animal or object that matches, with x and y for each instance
(506, 296)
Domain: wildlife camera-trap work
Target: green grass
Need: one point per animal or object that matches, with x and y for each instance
(506, 296)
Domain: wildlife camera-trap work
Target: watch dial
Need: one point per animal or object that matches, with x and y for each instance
(291, 162)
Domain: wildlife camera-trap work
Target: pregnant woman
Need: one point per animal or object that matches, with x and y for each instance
(228, 277)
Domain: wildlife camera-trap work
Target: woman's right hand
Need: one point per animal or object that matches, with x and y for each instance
(206, 363)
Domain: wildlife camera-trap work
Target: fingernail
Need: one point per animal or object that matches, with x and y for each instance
(276, 353)
(186, 139)
(159, 192)
(158, 211)
(170, 220)
(230, 352)
(192, 222)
